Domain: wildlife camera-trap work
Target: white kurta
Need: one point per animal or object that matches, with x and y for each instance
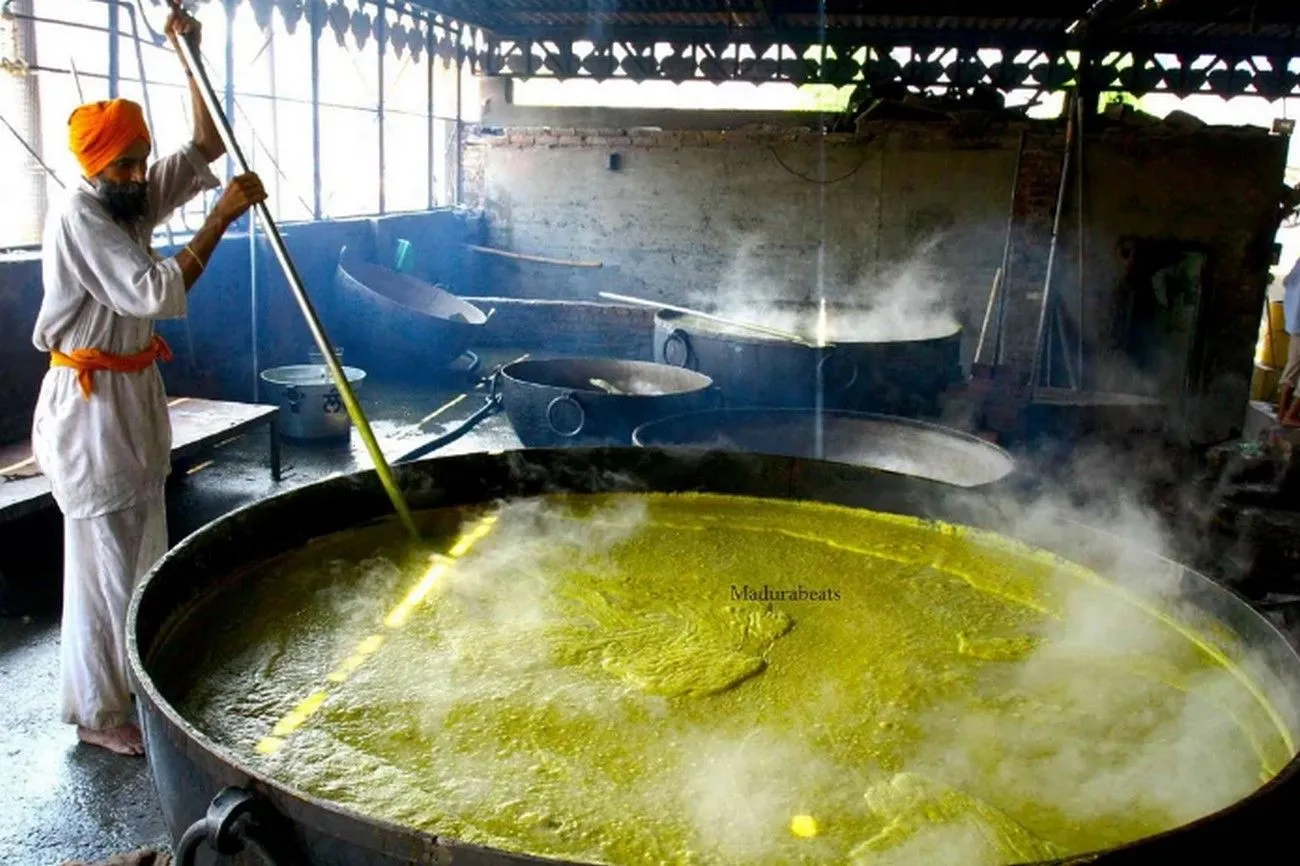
(107, 458)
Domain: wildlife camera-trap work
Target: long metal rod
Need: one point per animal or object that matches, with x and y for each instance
(381, 46)
(316, 24)
(687, 311)
(113, 30)
(429, 106)
(1046, 307)
(999, 352)
(30, 150)
(460, 125)
(994, 294)
(300, 292)
(1083, 247)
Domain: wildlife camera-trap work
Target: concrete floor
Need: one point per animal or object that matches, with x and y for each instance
(61, 800)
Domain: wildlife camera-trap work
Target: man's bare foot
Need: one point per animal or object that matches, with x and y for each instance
(125, 740)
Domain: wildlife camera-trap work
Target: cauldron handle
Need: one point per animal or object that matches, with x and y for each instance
(222, 829)
(832, 355)
(474, 362)
(566, 400)
(679, 338)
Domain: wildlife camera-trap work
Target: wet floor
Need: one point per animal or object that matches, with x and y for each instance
(60, 800)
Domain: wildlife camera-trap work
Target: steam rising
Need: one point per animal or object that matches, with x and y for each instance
(910, 300)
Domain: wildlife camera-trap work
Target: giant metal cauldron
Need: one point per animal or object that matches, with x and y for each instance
(896, 377)
(189, 770)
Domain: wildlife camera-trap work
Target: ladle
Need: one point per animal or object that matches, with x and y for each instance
(382, 469)
(686, 311)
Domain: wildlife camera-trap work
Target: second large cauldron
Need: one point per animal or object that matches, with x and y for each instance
(399, 328)
(211, 798)
(895, 377)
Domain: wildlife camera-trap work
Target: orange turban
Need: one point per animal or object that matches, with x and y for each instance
(100, 132)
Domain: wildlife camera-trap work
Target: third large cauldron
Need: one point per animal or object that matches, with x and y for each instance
(176, 628)
(893, 376)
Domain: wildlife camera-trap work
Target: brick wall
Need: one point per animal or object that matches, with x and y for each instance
(692, 213)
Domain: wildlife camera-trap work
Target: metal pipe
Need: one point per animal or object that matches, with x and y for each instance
(686, 311)
(1051, 256)
(429, 125)
(112, 51)
(36, 156)
(317, 27)
(460, 133)
(1083, 110)
(314, 325)
(230, 78)
(381, 39)
(994, 294)
(999, 353)
(252, 299)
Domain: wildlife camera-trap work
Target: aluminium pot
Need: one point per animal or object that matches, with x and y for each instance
(401, 328)
(203, 788)
(900, 445)
(311, 408)
(896, 377)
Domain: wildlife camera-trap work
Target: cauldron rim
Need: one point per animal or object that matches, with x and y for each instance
(1009, 463)
(354, 268)
(366, 481)
(516, 370)
(704, 328)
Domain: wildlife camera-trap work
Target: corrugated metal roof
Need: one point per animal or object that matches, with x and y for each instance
(1274, 22)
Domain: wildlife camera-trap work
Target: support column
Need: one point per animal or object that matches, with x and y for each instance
(24, 214)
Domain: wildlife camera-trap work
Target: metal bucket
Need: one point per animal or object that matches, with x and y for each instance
(311, 408)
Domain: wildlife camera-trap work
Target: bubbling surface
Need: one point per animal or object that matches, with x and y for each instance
(694, 678)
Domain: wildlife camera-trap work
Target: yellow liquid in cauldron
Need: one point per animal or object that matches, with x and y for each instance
(706, 679)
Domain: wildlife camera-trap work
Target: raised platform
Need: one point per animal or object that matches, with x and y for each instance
(197, 427)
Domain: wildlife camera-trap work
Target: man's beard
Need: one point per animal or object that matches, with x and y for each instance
(126, 202)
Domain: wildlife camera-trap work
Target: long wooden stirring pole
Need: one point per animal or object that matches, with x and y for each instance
(686, 311)
(296, 285)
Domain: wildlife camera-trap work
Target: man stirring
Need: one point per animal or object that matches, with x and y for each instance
(102, 435)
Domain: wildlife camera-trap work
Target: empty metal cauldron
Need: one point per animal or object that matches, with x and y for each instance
(899, 377)
(400, 328)
(877, 441)
(189, 769)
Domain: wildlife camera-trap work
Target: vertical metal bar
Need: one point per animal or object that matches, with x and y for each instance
(275, 113)
(428, 75)
(1047, 308)
(999, 346)
(252, 301)
(316, 23)
(229, 97)
(460, 134)
(114, 32)
(381, 40)
(1083, 247)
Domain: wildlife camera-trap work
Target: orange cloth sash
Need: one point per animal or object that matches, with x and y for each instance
(88, 362)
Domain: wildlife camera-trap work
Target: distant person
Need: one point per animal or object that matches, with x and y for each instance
(1288, 406)
(102, 435)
